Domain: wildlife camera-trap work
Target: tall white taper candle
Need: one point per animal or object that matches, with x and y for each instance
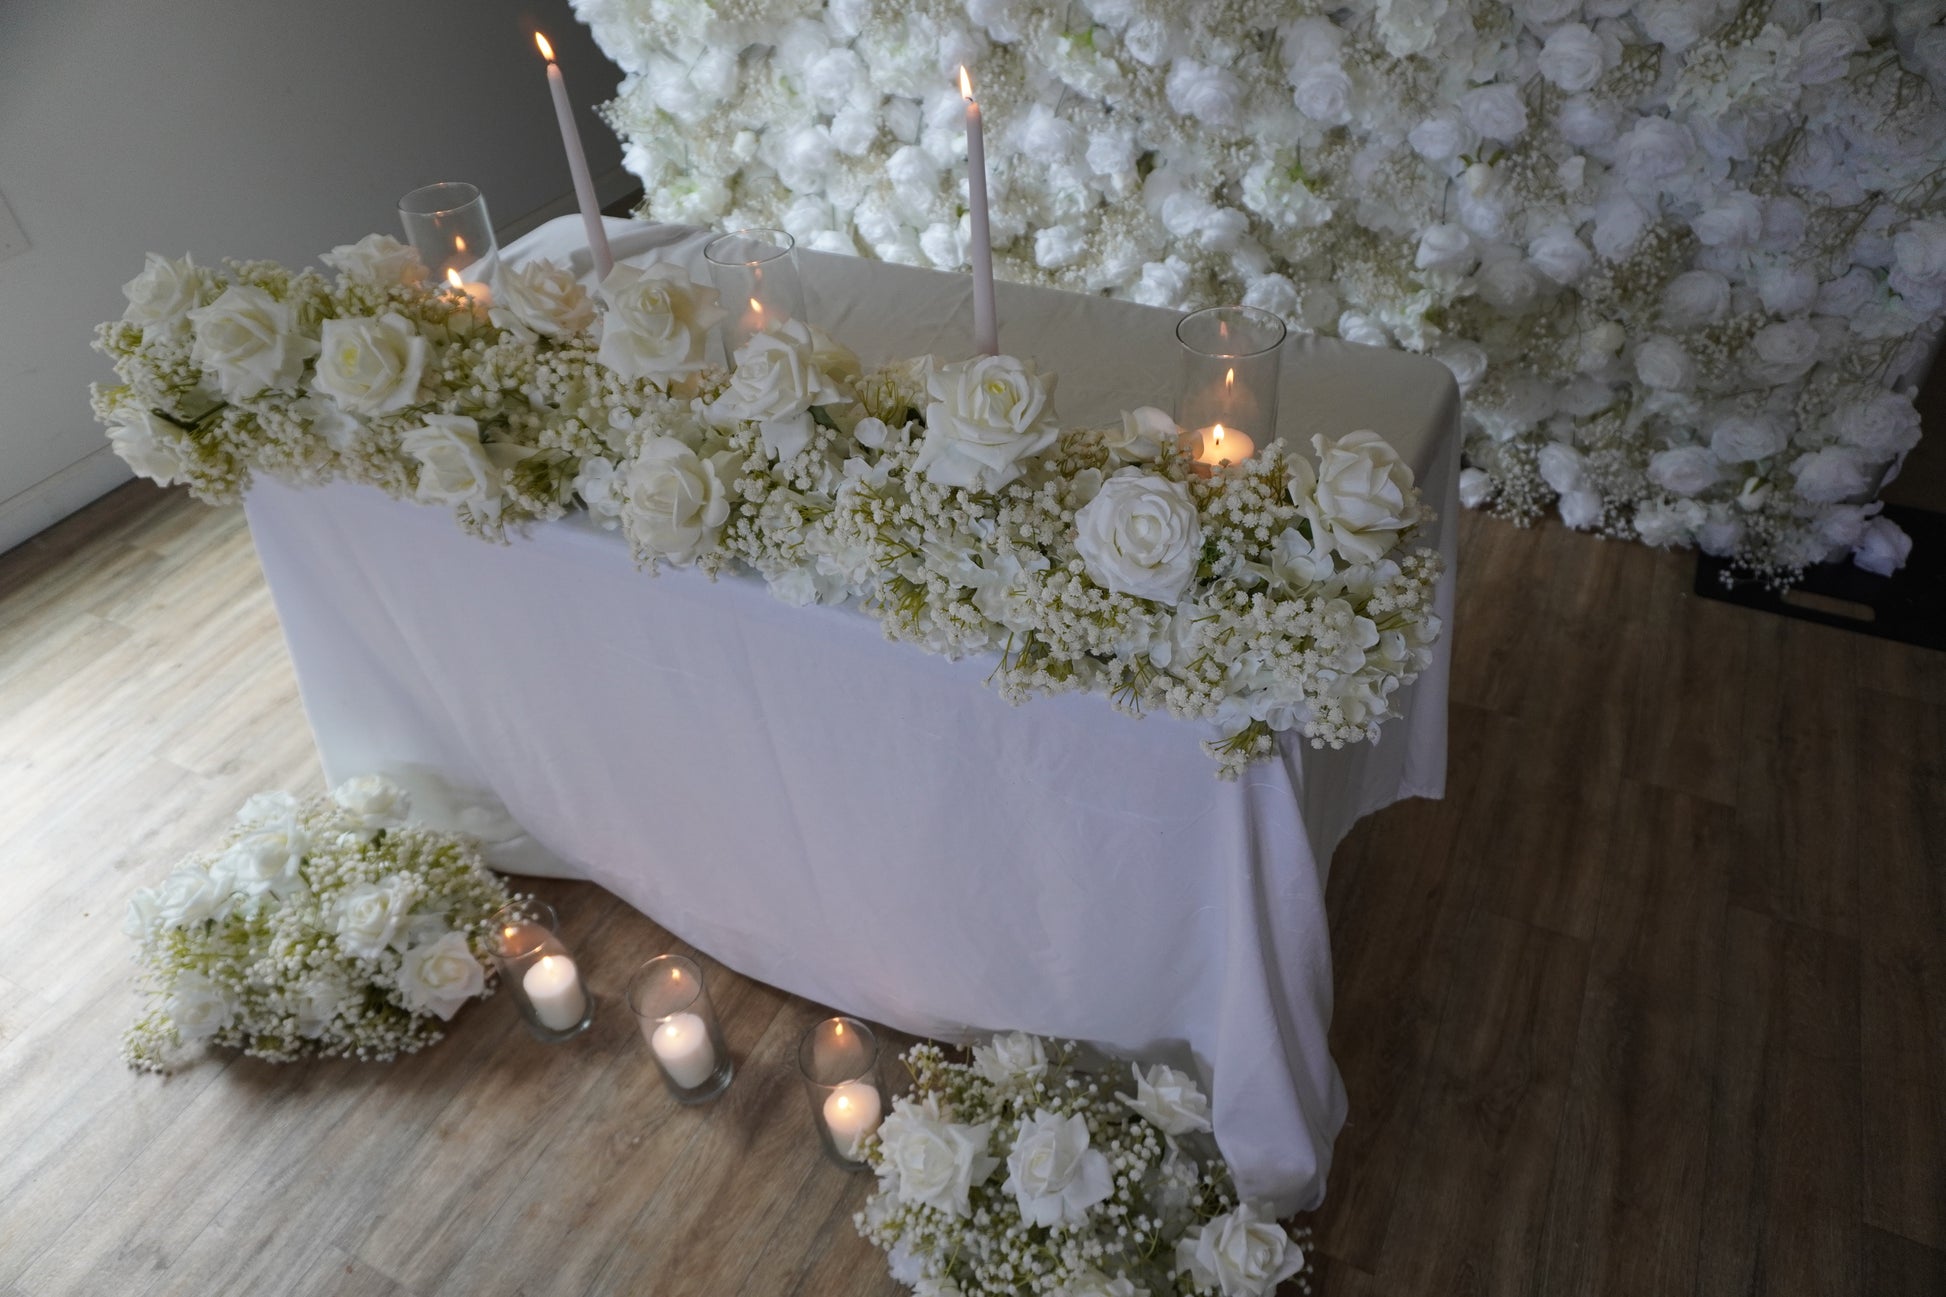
(584, 185)
(986, 324)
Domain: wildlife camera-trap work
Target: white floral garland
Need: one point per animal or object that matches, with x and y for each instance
(1676, 251)
(944, 497)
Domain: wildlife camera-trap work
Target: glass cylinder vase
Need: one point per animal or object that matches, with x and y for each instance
(538, 972)
(447, 224)
(672, 1008)
(839, 1060)
(755, 273)
(1231, 366)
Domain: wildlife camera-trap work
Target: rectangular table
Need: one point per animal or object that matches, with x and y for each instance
(860, 822)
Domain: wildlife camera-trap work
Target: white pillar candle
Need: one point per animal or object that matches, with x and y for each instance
(584, 185)
(553, 987)
(851, 1112)
(681, 1044)
(986, 324)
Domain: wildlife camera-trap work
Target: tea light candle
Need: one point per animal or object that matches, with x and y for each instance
(851, 1112)
(681, 1045)
(478, 293)
(553, 987)
(1221, 445)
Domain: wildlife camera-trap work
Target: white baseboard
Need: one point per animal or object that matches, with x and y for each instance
(609, 186)
(48, 501)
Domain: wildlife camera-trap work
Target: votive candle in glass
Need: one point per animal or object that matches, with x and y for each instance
(755, 273)
(538, 971)
(839, 1060)
(672, 1008)
(447, 223)
(1231, 368)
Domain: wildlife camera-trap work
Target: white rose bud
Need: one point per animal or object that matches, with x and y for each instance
(1920, 250)
(1168, 1099)
(1562, 467)
(1509, 284)
(1445, 246)
(1209, 94)
(1140, 536)
(1733, 220)
(1439, 139)
(1559, 255)
(1784, 351)
(1652, 150)
(200, 1007)
(1322, 92)
(1143, 435)
(1581, 509)
(376, 801)
(1586, 122)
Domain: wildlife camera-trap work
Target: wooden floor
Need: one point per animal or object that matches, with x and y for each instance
(1653, 1003)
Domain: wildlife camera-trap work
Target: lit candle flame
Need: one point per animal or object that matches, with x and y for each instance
(452, 277)
(1216, 434)
(547, 51)
(965, 84)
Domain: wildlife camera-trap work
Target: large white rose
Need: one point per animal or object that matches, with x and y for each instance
(673, 500)
(1052, 1172)
(1886, 426)
(1211, 94)
(930, 1160)
(1695, 297)
(377, 259)
(657, 321)
(439, 976)
(1013, 1058)
(149, 444)
(1784, 351)
(1439, 138)
(371, 365)
(1560, 255)
(1661, 362)
(1562, 467)
(1496, 111)
(1653, 150)
(269, 858)
(541, 298)
(1364, 496)
(1731, 220)
(1835, 474)
(1745, 438)
(986, 416)
(249, 341)
(781, 373)
(368, 917)
(1171, 1100)
(192, 895)
(1685, 470)
(1445, 246)
(164, 292)
(1883, 547)
(1140, 536)
(1322, 92)
(375, 800)
(1573, 57)
(1239, 1254)
(1509, 284)
(456, 467)
(200, 1007)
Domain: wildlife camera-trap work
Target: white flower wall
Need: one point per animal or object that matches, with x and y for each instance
(1680, 254)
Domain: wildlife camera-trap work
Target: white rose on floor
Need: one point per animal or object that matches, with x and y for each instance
(1475, 487)
(1834, 475)
(1561, 467)
(165, 291)
(1685, 470)
(269, 858)
(455, 467)
(930, 1160)
(657, 321)
(1573, 57)
(1444, 246)
(377, 259)
(439, 976)
(148, 443)
(673, 501)
(1695, 297)
(250, 341)
(1142, 436)
(1364, 496)
(1169, 1099)
(780, 374)
(199, 1007)
(371, 365)
(1140, 536)
(986, 417)
(375, 800)
(1661, 362)
(1886, 426)
(1581, 509)
(1239, 1254)
(369, 917)
(1745, 438)
(317, 1003)
(191, 895)
(1015, 1056)
(541, 299)
(1883, 547)
(1495, 111)
(1052, 1172)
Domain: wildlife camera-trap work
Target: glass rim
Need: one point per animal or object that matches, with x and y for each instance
(781, 242)
(868, 1067)
(1260, 318)
(648, 969)
(530, 910)
(472, 191)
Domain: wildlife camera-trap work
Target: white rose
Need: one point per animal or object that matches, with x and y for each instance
(1439, 139)
(1844, 526)
(1142, 436)
(1886, 426)
(1847, 295)
(317, 1003)
(1559, 255)
(1661, 525)
(1467, 361)
(1600, 345)
(369, 917)
(1210, 94)
(455, 467)
(1509, 284)
(1573, 57)
(1322, 92)
(267, 808)
(1661, 362)
(375, 800)
(371, 365)
(164, 292)
(1057, 246)
(1754, 492)
(249, 341)
(1784, 351)
(1684, 470)
(191, 895)
(1364, 496)
(1654, 149)
(377, 259)
(1355, 326)
(986, 416)
(541, 299)
(657, 321)
(673, 501)
(927, 1159)
(780, 374)
(1674, 23)
(1013, 1057)
(143, 915)
(269, 858)
(1170, 1100)
(1562, 467)
(1239, 1254)
(1093, 1283)
(439, 976)
(200, 1007)
(150, 445)
(1786, 289)
(1835, 474)
(1746, 438)
(1140, 536)
(1695, 297)
(1883, 547)
(1619, 222)
(1444, 246)
(1496, 111)
(1052, 1172)
(1296, 561)
(1475, 487)
(1920, 251)
(1824, 50)
(1586, 122)
(1732, 220)
(1541, 13)
(1582, 509)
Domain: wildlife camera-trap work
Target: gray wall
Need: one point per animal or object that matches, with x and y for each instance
(246, 128)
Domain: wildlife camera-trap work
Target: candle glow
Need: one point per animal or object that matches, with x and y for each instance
(547, 51)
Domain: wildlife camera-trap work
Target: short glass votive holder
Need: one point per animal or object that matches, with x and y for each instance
(755, 273)
(1232, 361)
(538, 972)
(447, 223)
(839, 1060)
(672, 1008)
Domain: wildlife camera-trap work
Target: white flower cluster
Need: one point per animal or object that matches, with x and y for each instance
(328, 927)
(1024, 1172)
(1626, 225)
(945, 498)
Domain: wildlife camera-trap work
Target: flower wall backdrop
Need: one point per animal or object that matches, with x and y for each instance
(1681, 254)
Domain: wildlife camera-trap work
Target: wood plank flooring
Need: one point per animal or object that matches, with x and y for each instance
(1653, 1003)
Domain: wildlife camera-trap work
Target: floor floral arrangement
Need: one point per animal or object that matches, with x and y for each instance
(330, 927)
(1683, 255)
(944, 498)
(1025, 1172)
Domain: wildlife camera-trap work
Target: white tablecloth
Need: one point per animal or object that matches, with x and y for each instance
(860, 822)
